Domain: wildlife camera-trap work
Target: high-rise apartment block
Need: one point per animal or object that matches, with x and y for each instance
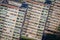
(11, 20)
(31, 22)
(53, 21)
(35, 20)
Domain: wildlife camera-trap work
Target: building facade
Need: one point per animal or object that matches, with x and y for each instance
(53, 21)
(40, 17)
(35, 20)
(11, 20)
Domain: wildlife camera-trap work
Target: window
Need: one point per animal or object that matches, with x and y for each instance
(59, 27)
(38, 26)
(1, 7)
(21, 12)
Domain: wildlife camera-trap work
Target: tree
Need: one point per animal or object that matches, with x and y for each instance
(26, 38)
(59, 28)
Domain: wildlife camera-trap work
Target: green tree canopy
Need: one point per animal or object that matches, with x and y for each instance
(26, 38)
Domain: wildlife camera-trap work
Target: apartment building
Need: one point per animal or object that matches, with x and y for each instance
(35, 19)
(53, 21)
(11, 20)
(40, 17)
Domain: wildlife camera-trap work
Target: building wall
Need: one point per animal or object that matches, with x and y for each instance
(35, 20)
(11, 20)
(38, 17)
(54, 18)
